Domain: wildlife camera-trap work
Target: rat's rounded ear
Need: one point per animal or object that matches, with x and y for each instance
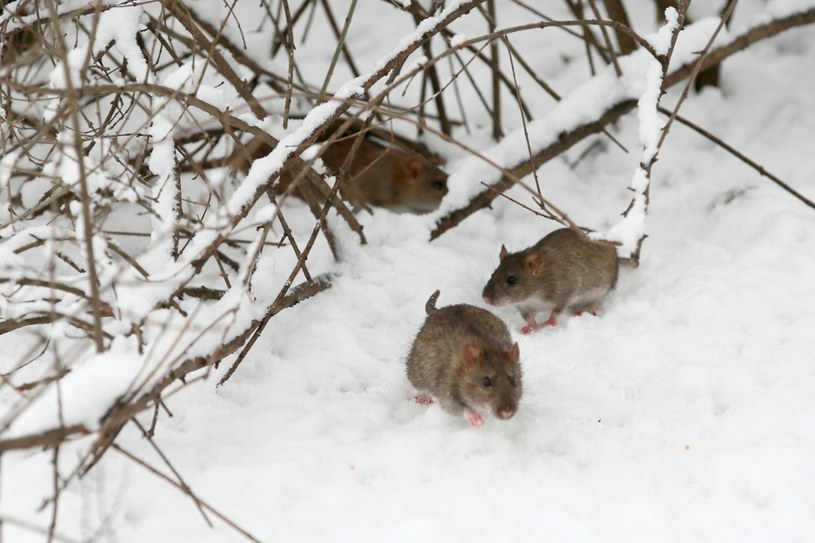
(533, 262)
(504, 253)
(472, 354)
(514, 352)
(415, 169)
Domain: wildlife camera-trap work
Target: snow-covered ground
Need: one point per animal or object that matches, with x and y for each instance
(681, 413)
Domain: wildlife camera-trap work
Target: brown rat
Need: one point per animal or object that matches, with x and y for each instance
(464, 356)
(563, 270)
(392, 177)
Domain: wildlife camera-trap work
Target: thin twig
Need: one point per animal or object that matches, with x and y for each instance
(607, 38)
(567, 139)
(226, 520)
(291, 64)
(340, 43)
(741, 156)
(180, 483)
(432, 74)
(497, 132)
(87, 230)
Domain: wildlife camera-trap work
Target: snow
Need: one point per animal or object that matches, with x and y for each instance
(265, 214)
(182, 77)
(162, 159)
(632, 227)
(6, 166)
(87, 391)
(162, 162)
(263, 168)
(650, 128)
(9, 259)
(661, 41)
(120, 25)
(681, 413)
(457, 40)
(780, 8)
(76, 62)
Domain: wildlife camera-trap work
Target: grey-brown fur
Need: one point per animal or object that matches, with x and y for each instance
(456, 349)
(563, 270)
(396, 178)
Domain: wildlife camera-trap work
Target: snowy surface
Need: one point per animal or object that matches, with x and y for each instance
(681, 413)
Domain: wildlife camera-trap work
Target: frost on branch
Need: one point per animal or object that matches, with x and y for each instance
(143, 247)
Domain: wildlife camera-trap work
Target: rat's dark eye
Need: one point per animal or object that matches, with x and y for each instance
(487, 382)
(512, 381)
(439, 185)
(511, 280)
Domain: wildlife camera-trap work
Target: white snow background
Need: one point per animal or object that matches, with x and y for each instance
(683, 412)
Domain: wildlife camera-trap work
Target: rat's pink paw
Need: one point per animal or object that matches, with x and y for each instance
(423, 399)
(532, 328)
(476, 421)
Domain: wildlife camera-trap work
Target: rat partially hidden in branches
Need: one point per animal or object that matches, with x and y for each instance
(380, 175)
(563, 270)
(464, 357)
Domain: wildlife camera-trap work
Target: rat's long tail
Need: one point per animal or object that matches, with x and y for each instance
(430, 306)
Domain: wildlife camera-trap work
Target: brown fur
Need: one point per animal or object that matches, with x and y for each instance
(563, 270)
(456, 349)
(380, 176)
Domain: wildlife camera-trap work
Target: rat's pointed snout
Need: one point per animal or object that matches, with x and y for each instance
(506, 412)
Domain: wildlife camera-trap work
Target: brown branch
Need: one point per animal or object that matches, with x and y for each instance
(642, 196)
(567, 139)
(609, 46)
(112, 422)
(741, 156)
(291, 63)
(302, 292)
(47, 439)
(588, 37)
(185, 489)
(294, 161)
(697, 67)
(341, 40)
(497, 132)
(392, 66)
(418, 13)
(72, 95)
(287, 234)
(325, 280)
(181, 484)
(616, 11)
(189, 19)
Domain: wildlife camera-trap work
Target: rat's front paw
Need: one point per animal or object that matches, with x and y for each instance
(423, 399)
(476, 421)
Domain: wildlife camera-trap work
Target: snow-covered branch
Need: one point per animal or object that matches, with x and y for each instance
(148, 334)
(600, 101)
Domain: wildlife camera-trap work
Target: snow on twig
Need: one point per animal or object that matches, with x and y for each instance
(594, 104)
(630, 230)
(227, 324)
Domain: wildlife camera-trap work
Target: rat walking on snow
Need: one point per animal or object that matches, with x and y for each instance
(465, 357)
(563, 270)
